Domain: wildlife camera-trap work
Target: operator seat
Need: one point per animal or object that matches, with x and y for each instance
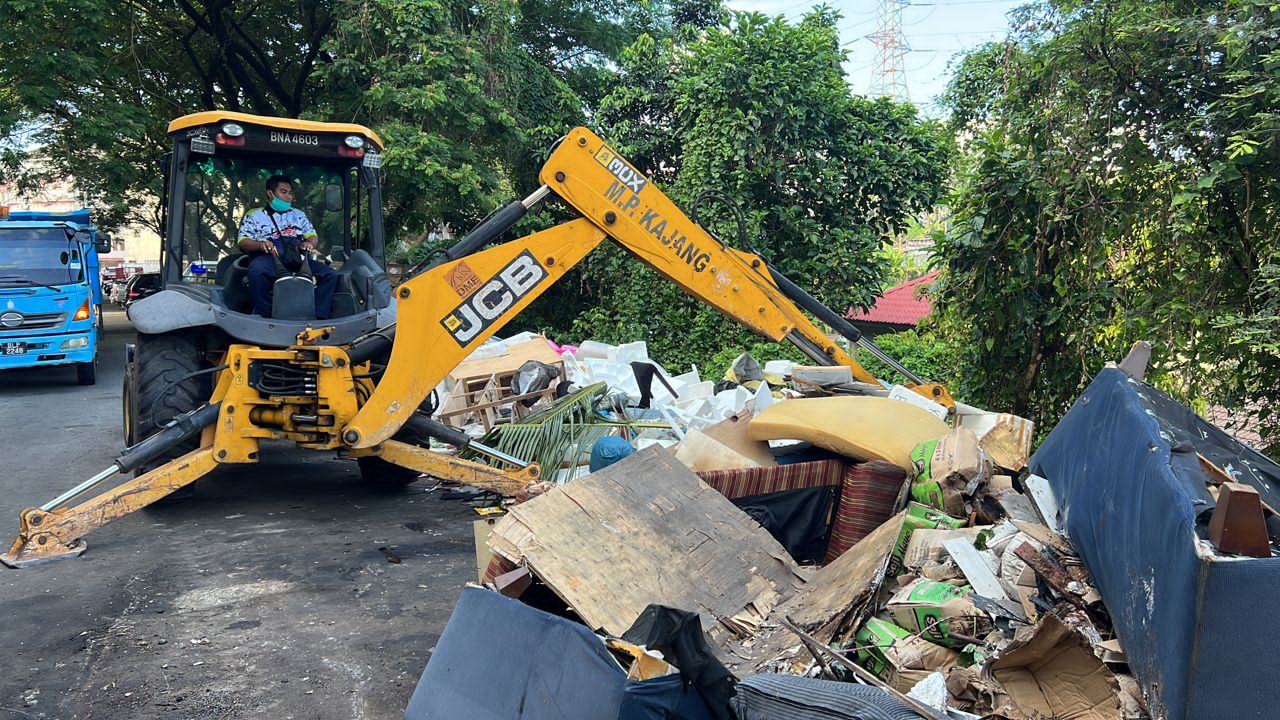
(232, 275)
(362, 285)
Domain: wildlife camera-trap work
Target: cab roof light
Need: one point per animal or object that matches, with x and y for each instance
(232, 130)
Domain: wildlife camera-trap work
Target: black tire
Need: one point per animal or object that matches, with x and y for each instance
(86, 373)
(160, 385)
(382, 475)
(129, 406)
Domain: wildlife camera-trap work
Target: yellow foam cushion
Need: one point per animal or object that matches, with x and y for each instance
(864, 428)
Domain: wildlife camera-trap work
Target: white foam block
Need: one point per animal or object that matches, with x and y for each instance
(595, 349)
(637, 351)
(763, 398)
(906, 395)
(778, 367)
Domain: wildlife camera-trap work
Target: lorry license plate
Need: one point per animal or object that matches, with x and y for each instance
(14, 348)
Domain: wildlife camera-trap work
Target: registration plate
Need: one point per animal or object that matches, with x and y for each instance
(13, 348)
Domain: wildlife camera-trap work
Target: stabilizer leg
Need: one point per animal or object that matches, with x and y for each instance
(55, 534)
(448, 467)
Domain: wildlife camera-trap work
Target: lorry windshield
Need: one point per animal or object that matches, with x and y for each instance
(39, 256)
(221, 191)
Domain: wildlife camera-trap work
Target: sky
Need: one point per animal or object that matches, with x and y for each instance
(935, 30)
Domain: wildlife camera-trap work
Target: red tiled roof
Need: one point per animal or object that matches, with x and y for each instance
(1240, 424)
(905, 304)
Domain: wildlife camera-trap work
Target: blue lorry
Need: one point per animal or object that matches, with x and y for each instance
(50, 290)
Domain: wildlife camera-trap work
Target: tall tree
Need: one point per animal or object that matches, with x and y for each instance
(1117, 185)
(468, 93)
(431, 77)
(91, 84)
(758, 112)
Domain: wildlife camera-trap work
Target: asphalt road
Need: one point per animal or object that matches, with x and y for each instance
(285, 589)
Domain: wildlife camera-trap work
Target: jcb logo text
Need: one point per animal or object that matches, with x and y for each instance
(495, 297)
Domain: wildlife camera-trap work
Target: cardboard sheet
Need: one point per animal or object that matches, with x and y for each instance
(699, 452)
(647, 530)
(865, 428)
(734, 433)
(1006, 438)
(1055, 674)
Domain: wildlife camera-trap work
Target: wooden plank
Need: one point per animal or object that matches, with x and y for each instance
(517, 354)
(647, 530)
(1045, 536)
(846, 582)
(1048, 571)
(830, 606)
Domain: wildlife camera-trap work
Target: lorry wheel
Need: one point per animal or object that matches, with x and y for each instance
(160, 386)
(86, 373)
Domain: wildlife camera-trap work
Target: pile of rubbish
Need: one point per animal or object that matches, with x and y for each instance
(779, 543)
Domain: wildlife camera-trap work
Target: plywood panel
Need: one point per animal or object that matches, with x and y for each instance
(647, 530)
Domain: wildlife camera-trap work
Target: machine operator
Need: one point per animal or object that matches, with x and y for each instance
(280, 231)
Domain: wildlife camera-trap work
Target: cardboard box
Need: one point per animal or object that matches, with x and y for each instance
(899, 658)
(939, 610)
(949, 470)
(925, 545)
(918, 517)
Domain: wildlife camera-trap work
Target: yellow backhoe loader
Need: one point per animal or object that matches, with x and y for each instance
(353, 384)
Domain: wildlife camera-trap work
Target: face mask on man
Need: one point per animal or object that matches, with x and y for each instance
(279, 205)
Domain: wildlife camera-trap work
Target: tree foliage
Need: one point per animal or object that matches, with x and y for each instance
(470, 95)
(433, 78)
(92, 84)
(1117, 184)
(756, 115)
(467, 94)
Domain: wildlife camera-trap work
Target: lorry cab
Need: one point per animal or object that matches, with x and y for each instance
(50, 291)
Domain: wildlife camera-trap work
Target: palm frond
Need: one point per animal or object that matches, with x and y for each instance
(561, 433)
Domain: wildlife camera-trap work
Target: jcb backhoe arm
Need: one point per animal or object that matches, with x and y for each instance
(445, 313)
(449, 310)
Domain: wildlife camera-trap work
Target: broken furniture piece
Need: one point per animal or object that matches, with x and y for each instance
(479, 387)
(1198, 626)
